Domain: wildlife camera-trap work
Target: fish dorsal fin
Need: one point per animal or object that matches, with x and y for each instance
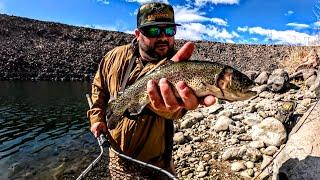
(160, 64)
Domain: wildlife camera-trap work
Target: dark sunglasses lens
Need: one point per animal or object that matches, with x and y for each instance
(170, 31)
(152, 31)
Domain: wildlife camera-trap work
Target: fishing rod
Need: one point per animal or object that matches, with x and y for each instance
(104, 141)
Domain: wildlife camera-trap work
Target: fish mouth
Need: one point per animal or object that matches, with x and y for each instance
(250, 89)
(248, 93)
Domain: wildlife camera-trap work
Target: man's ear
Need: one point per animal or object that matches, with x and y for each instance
(137, 33)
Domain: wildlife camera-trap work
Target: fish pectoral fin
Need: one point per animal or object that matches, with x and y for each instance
(224, 78)
(216, 91)
(136, 109)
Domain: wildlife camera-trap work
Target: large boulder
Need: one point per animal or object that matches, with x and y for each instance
(300, 158)
(278, 80)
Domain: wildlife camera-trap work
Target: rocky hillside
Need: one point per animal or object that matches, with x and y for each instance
(36, 50)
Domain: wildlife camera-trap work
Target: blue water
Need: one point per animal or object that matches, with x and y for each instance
(44, 131)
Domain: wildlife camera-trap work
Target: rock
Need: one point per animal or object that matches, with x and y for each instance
(232, 141)
(299, 159)
(249, 164)
(191, 119)
(278, 80)
(214, 108)
(207, 157)
(250, 172)
(222, 124)
(179, 138)
(252, 108)
(262, 114)
(252, 74)
(260, 89)
(252, 154)
(303, 74)
(236, 129)
(310, 81)
(285, 110)
(202, 174)
(266, 104)
(186, 172)
(238, 117)
(307, 73)
(270, 151)
(237, 166)
(310, 61)
(232, 153)
(251, 119)
(200, 167)
(247, 173)
(187, 123)
(245, 137)
(256, 144)
(306, 102)
(316, 86)
(262, 78)
(271, 131)
(309, 94)
(226, 113)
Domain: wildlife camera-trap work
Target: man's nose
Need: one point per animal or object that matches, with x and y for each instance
(162, 35)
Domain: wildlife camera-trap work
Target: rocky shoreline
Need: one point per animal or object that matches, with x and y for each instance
(239, 140)
(236, 140)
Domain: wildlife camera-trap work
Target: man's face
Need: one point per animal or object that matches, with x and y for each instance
(159, 46)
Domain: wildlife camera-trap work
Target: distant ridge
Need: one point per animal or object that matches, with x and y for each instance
(37, 50)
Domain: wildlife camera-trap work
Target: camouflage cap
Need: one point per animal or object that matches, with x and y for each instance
(154, 14)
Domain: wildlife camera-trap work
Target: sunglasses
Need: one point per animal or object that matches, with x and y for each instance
(155, 31)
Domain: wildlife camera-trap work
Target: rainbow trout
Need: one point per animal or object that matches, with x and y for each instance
(203, 77)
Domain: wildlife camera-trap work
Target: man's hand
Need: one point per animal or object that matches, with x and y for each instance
(163, 99)
(98, 128)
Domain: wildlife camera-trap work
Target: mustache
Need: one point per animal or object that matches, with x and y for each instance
(161, 42)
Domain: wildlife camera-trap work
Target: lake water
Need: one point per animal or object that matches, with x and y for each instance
(44, 131)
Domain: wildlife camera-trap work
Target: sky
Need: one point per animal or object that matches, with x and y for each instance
(295, 22)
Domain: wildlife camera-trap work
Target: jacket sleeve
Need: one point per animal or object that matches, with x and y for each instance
(99, 95)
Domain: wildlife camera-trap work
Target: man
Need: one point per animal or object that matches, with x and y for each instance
(150, 138)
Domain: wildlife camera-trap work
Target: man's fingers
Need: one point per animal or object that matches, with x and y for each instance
(98, 128)
(189, 99)
(208, 100)
(184, 53)
(154, 96)
(168, 96)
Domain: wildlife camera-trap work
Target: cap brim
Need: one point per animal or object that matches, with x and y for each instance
(158, 23)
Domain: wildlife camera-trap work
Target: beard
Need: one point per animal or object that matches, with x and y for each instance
(153, 50)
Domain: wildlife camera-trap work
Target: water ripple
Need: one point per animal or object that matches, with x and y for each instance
(40, 121)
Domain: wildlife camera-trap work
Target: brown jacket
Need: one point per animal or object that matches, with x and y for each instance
(145, 139)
